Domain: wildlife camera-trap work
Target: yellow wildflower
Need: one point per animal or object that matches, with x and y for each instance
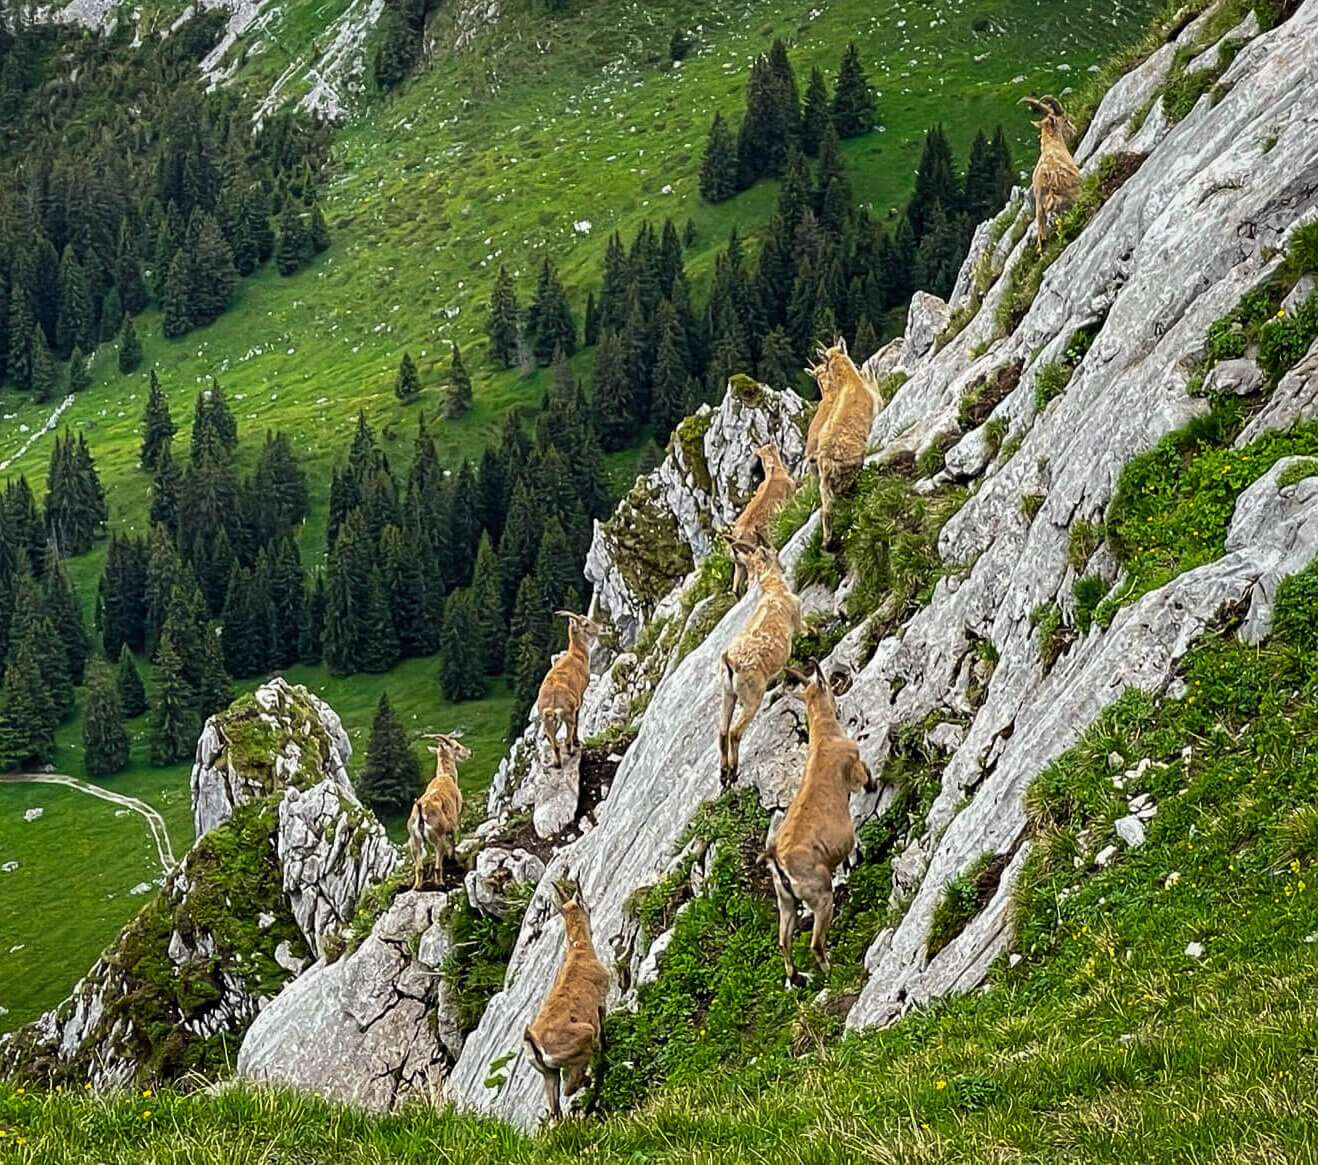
(940, 1084)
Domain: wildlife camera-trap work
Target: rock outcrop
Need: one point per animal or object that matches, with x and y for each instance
(284, 852)
(372, 1028)
(1176, 242)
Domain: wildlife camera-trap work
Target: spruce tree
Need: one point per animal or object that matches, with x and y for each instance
(347, 594)
(457, 401)
(319, 230)
(157, 425)
(121, 596)
(66, 614)
(175, 302)
(293, 247)
(718, 168)
(487, 599)
(777, 366)
(132, 692)
(530, 618)
(789, 94)
(553, 327)
(591, 323)
(405, 590)
(407, 385)
(555, 568)
(866, 342)
(379, 640)
(853, 101)
(616, 287)
(815, 114)
(80, 376)
(45, 375)
(529, 664)
(832, 173)
(504, 325)
(313, 623)
(935, 183)
(391, 778)
(104, 741)
(464, 528)
(214, 689)
(461, 667)
(166, 489)
(75, 327)
(241, 650)
(174, 724)
(649, 457)
(164, 572)
(638, 356)
(938, 257)
(21, 333)
(520, 538)
(769, 127)
(128, 273)
(212, 272)
(614, 402)
(27, 711)
(669, 402)
(112, 314)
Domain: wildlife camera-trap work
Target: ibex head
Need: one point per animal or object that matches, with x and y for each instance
(582, 625)
(769, 456)
(1051, 113)
(572, 906)
(449, 745)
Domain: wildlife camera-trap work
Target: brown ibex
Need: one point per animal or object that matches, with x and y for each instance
(569, 1027)
(752, 524)
(817, 833)
(758, 654)
(1056, 181)
(433, 822)
(563, 687)
(843, 436)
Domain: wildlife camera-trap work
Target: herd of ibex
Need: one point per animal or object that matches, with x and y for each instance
(817, 833)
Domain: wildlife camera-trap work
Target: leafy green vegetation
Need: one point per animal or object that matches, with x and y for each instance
(482, 946)
(964, 897)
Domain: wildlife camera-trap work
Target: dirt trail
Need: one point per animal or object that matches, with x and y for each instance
(156, 823)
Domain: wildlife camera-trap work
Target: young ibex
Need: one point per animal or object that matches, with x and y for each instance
(816, 834)
(570, 1025)
(827, 397)
(559, 702)
(435, 814)
(1056, 182)
(843, 435)
(758, 654)
(752, 525)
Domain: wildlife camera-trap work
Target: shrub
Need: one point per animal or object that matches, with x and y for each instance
(1049, 383)
(1285, 339)
(1088, 592)
(1295, 613)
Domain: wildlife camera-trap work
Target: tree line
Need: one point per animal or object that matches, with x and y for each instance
(123, 184)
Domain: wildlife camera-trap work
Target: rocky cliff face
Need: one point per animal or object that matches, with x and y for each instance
(1186, 218)
(284, 851)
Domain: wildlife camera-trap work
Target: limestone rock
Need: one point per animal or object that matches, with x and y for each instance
(1131, 830)
(497, 875)
(1233, 377)
(371, 1029)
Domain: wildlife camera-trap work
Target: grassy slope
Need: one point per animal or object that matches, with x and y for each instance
(1107, 1042)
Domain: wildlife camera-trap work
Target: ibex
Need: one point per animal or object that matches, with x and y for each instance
(752, 524)
(570, 1024)
(435, 814)
(758, 654)
(822, 410)
(843, 435)
(1056, 182)
(563, 687)
(817, 833)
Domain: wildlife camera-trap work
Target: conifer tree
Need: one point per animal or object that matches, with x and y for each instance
(211, 270)
(80, 376)
(391, 778)
(347, 593)
(104, 741)
(132, 692)
(777, 360)
(461, 667)
(45, 375)
(615, 402)
(554, 327)
(185, 627)
(75, 502)
(591, 323)
(379, 640)
(214, 689)
(407, 386)
(313, 622)
(75, 327)
(320, 236)
(719, 167)
(649, 457)
(555, 568)
(293, 246)
(66, 614)
(464, 528)
(866, 342)
(530, 618)
(789, 94)
(638, 355)
(241, 651)
(112, 314)
(832, 171)
(815, 114)
(935, 182)
(530, 662)
(457, 401)
(27, 711)
(616, 287)
(938, 257)
(128, 279)
(669, 402)
(487, 600)
(166, 490)
(121, 596)
(405, 591)
(175, 301)
(853, 101)
(164, 572)
(771, 124)
(504, 325)
(21, 333)
(214, 430)
(157, 425)
(520, 539)
(174, 724)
